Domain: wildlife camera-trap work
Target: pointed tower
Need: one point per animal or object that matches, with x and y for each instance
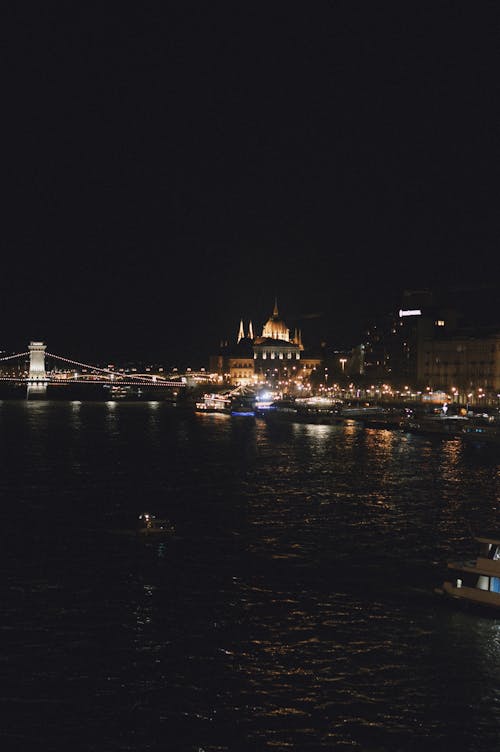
(250, 331)
(275, 311)
(241, 333)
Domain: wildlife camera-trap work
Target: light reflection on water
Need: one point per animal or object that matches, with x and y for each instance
(293, 607)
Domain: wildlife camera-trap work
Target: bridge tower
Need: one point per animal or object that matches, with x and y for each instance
(37, 375)
(37, 370)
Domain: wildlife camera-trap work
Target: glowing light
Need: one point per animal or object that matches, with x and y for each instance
(410, 312)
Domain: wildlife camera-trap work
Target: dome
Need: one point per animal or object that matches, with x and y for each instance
(275, 328)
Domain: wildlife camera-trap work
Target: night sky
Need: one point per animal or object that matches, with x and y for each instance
(170, 169)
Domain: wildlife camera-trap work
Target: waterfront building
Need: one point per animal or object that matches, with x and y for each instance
(467, 363)
(235, 362)
(394, 341)
(274, 355)
(448, 343)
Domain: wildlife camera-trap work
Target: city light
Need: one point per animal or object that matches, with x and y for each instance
(414, 312)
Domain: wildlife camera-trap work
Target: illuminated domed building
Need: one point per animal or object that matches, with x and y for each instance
(272, 356)
(275, 328)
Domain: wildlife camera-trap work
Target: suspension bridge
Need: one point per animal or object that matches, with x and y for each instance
(31, 368)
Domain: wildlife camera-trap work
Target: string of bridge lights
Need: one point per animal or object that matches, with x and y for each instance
(128, 379)
(62, 382)
(85, 365)
(122, 383)
(10, 357)
(142, 378)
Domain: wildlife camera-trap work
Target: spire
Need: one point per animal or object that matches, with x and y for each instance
(250, 331)
(241, 333)
(275, 312)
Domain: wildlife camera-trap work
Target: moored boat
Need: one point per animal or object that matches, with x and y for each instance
(482, 430)
(243, 404)
(435, 425)
(362, 412)
(388, 419)
(308, 410)
(214, 403)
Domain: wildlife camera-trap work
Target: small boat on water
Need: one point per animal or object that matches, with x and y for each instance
(147, 527)
(151, 526)
(476, 581)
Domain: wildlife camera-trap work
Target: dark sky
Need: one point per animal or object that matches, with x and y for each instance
(170, 169)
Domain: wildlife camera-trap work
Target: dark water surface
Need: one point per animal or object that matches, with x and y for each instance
(293, 609)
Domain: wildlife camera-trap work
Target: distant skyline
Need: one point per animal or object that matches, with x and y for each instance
(170, 170)
(318, 329)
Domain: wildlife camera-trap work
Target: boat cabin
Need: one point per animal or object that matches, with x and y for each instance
(488, 561)
(478, 580)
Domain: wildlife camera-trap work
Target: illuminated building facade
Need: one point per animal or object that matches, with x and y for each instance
(235, 363)
(394, 342)
(449, 346)
(274, 355)
(462, 363)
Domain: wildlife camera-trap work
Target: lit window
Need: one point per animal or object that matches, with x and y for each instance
(440, 322)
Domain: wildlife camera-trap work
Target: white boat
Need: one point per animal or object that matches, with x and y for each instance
(477, 581)
(214, 403)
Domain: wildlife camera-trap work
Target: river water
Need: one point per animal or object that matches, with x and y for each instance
(292, 609)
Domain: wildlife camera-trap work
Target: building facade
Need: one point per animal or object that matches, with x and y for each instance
(462, 363)
(394, 342)
(435, 345)
(273, 356)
